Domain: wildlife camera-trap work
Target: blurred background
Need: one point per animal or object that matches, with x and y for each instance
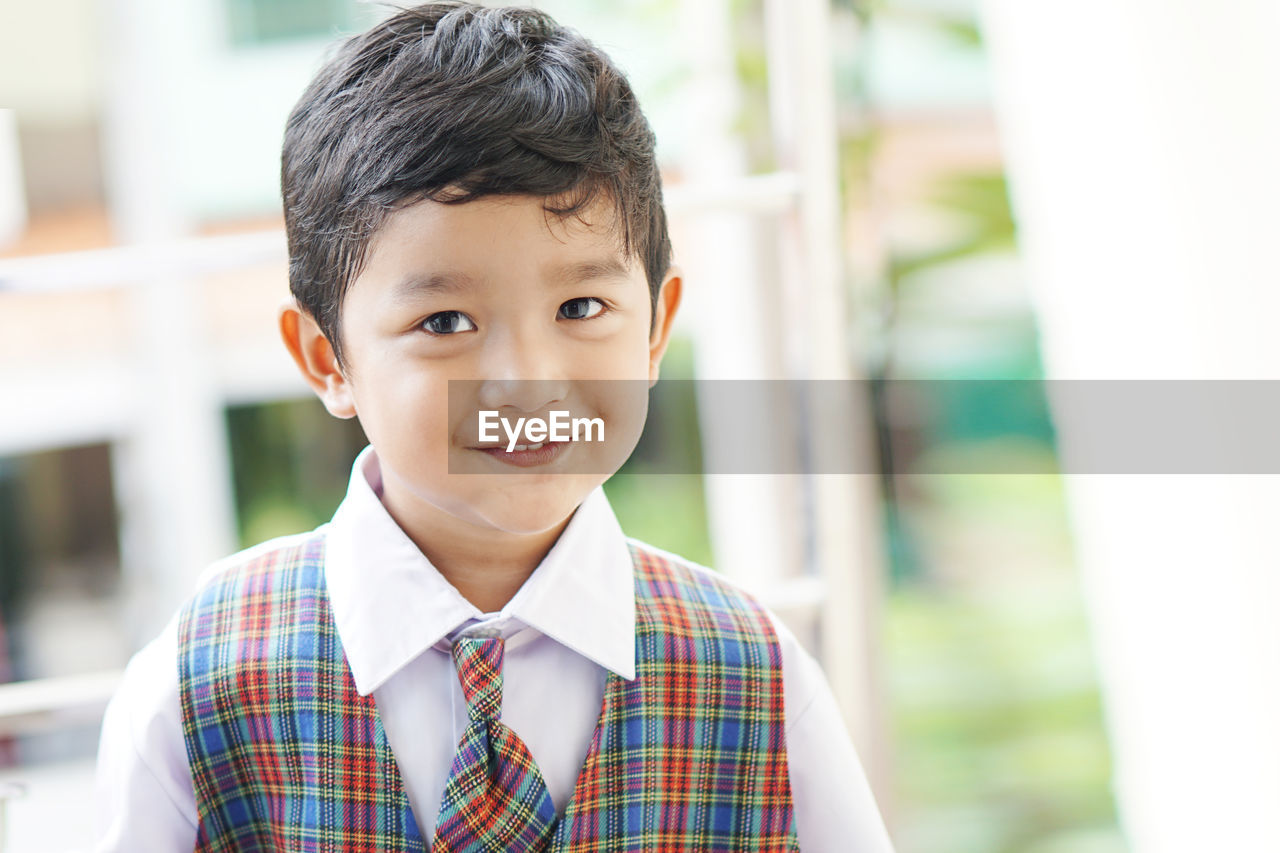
(869, 189)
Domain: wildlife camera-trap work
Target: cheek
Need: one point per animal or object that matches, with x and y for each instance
(623, 404)
(400, 405)
(626, 356)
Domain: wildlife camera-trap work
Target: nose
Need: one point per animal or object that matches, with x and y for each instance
(522, 370)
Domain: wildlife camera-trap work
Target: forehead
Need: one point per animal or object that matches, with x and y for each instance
(496, 237)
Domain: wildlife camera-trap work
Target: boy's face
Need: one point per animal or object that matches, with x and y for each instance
(499, 293)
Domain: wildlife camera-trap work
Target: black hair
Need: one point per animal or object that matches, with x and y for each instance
(453, 101)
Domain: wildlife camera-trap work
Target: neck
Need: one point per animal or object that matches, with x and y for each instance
(489, 573)
(487, 566)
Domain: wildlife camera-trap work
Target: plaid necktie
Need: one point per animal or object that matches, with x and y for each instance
(495, 798)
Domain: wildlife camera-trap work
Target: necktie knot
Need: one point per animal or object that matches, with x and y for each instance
(479, 663)
(495, 798)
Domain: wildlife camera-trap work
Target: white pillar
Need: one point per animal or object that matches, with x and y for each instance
(727, 303)
(13, 200)
(1141, 142)
(845, 523)
(172, 470)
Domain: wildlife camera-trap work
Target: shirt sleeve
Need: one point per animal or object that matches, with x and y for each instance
(834, 808)
(144, 799)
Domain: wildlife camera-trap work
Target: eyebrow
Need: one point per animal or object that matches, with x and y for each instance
(576, 273)
(413, 286)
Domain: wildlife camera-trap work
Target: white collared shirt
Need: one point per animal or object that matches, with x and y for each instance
(571, 623)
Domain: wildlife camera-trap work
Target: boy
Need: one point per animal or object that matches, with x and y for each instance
(471, 655)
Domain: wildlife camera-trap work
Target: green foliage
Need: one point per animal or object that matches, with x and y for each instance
(961, 27)
(994, 697)
(290, 465)
(666, 510)
(982, 200)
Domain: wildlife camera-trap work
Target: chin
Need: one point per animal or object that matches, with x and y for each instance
(529, 522)
(537, 509)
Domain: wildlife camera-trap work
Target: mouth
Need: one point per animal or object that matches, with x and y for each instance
(525, 455)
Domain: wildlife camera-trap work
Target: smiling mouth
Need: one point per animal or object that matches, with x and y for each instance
(525, 455)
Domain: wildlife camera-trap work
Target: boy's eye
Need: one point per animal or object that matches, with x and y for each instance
(581, 308)
(448, 322)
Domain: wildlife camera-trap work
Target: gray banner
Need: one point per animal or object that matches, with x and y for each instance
(867, 426)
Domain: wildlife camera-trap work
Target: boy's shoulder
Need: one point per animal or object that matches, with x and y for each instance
(674, 579)
(270, 556)
(651, 557)
(272, 589)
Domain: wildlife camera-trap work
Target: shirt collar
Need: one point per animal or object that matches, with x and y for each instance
(390, 604)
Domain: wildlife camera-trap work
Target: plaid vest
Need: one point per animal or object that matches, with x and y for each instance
(286, 755)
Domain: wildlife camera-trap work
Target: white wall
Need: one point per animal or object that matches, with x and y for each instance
(1141, 139)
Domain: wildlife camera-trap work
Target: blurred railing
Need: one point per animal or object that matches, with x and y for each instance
(41, 705)
(49, 703)
(120, 265)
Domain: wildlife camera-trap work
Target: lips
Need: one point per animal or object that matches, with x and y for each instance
(526, 455)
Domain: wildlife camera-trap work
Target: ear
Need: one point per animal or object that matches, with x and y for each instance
(664, 312)
(316, 360)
